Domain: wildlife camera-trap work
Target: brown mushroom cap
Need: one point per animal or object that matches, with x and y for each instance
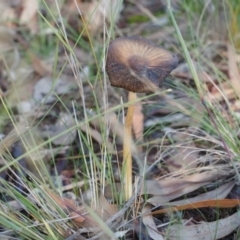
(136, 64)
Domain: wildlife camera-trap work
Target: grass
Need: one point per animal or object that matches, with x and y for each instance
(34, 202)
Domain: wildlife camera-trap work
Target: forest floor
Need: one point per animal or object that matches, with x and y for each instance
(62, 123)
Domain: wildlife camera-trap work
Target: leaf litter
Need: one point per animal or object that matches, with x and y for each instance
(188, 169)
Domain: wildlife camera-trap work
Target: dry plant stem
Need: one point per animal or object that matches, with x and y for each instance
(220, 135)
(127, 145)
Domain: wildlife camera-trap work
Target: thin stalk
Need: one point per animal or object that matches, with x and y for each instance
(127, 146)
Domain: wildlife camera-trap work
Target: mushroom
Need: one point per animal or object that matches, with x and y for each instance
(139, 66)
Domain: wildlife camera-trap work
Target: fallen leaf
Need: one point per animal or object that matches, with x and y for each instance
(217, 94)
(159, 200)
(150, 224)
(218, 193)
(184, 156)
(97, 12)
(97, 137)
(119, 234)
(183, 71)
(204, 230)
(69, 205)
(104, 210)
(171, 185)
(6, 39)
(111, 209)
(40, 66)
(219, 203)
(116, 127)
(166, 190)
(29, 9)
(65, 121)
(22, 84)
(8, 13)
(46, 88)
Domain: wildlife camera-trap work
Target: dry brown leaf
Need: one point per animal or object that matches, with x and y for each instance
(120, 234)
(30, 8)
(7, 13)
(40, 67)
(64, 123)
(6, 39)
(114, 124)
(111, 209)
(97, 137)
(184, 156)
(21, 90)
(33, 24)
(218, 193)
(36, 162)
(96, 12)
(36, 158)
(219, 203)
(171, 185)
(46, 89)
(204, 230)
(72, 9)
(12, 137)
(68, 205)
(29, 15)
(138, 121)
(105, 210)
(79, 214)
(158, 200)
(150, 225)
(168, 189)
(217, 95)
(108, 191)
(234, 73)
(190, 107)
(183, 71)
(63, 203)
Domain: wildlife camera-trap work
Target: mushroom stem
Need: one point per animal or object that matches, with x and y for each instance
(127, 145)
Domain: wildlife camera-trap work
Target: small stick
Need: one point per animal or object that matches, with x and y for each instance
(127, 145)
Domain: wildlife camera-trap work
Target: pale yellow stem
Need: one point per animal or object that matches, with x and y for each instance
(127, 146)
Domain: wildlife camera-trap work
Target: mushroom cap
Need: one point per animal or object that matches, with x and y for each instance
(137, 65)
